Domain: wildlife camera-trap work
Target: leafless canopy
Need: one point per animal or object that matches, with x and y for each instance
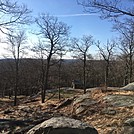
(16, 43)
(126, 29)
(81, 47)
(53, 32)
(109, 8)
(107, 51)
(12, 14)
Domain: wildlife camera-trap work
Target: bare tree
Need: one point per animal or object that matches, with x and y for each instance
(126, 46)
(107, 52)
(53, 33)
(60, 61)
(40, 49)
(80, 49)
(12, 14)
(109, 8)
(16, 42)
(59, 75)
(127, 53)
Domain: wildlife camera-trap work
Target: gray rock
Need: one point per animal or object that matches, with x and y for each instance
(83, 103)
(80, 110)
(81, 98)
(119, 100)
(62, 125)
(91, 89)
(128, 127)
(129, 87)
(88, 102)
(108, 111)
(127, 130)
(129, 122)
(65, 103)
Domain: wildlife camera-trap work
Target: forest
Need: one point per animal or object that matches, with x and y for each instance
(48, 67)
(36, 78)
(29, 79)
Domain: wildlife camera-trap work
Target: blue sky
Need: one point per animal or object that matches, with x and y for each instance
(73, 14)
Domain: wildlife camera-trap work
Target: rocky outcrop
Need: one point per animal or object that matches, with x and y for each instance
(119, 100)
(129, 87)
(83, 104)
(62, 125)
(128, 126)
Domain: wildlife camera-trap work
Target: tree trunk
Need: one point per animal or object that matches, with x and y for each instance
(45, 84)
(43, 80)
(84, 74)
(59, 95)
(131, 68)
(16, 82)
(107, 74)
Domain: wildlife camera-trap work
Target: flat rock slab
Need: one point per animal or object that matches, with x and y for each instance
(62, 125)
(129, 87)
(119, 100)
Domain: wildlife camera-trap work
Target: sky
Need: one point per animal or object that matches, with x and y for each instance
(73, 15)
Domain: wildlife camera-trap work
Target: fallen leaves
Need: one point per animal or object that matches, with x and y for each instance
(96, 115)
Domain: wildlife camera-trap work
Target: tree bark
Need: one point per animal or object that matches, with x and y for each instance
(16, 82)
(107, 74)
(131, 65)
(84, 74)
(59, 95)
(45, 85)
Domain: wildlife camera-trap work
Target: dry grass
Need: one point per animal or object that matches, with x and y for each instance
(106, 124)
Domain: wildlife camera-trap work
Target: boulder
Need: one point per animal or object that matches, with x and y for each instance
(81, 98)
(129, 122)
(128, 127)
(119, 100)
(129, 87)
(127, 130)
(82, 104)
(62, 125)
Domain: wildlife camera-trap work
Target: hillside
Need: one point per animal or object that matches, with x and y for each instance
(107, 110)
